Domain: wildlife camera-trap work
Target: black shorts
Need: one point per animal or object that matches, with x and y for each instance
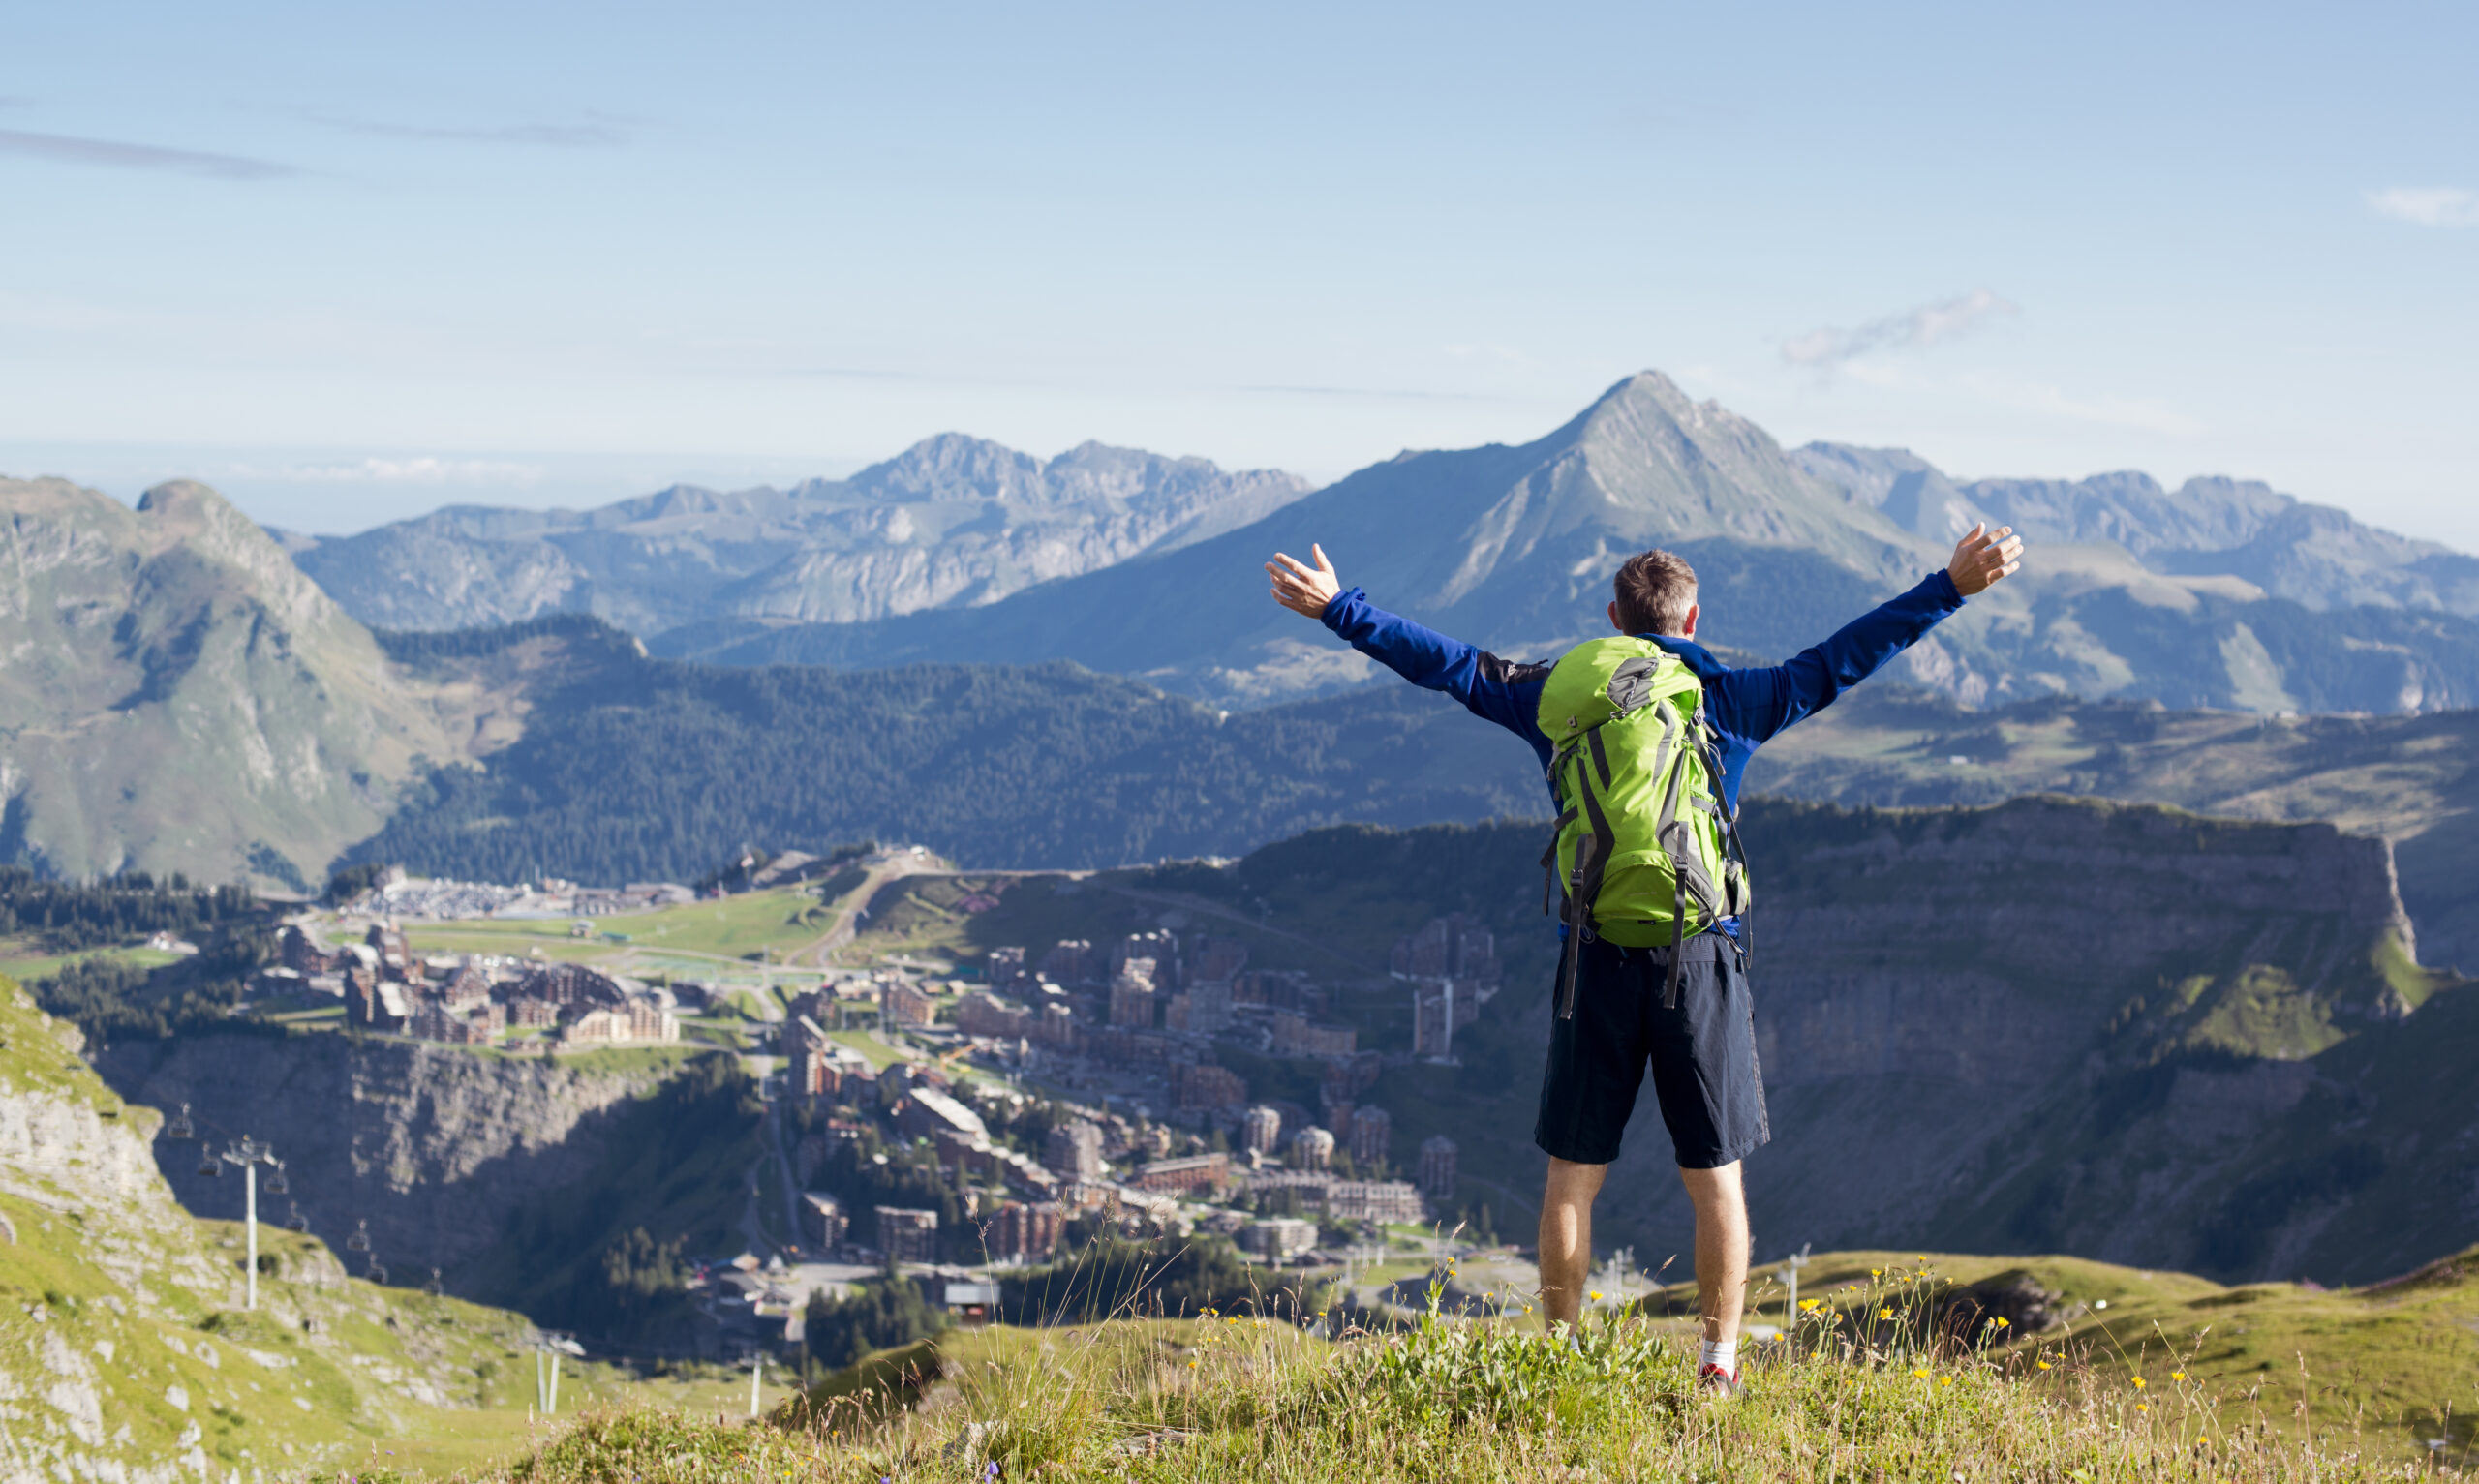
(1702, 1055)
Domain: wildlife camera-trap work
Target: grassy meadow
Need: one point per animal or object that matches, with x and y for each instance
(2143, 1376)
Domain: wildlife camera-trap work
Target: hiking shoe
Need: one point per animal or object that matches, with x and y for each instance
(1714, 1383)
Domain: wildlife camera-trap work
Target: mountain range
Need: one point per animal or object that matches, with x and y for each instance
(952, 521)
(2221, 593)
(1512, 548)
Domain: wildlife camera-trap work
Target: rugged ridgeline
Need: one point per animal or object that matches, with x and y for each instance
(2051, 1025)
(179, 696)
(125, 1354)
(953, 520)
(1513, 548)
(2311, 555)
(513, 1176)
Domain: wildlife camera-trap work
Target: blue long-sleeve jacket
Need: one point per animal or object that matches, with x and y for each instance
(1746, 707)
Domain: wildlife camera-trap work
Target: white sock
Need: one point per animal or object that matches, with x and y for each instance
(1724, 1355)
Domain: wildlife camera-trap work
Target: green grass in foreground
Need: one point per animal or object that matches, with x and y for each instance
(1238, 1397)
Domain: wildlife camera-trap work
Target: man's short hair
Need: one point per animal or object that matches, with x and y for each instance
(1655, 590)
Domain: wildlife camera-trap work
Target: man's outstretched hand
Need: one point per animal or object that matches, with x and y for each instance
(1308, 590)
(1984, 557)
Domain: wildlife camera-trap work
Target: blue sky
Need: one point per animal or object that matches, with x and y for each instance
(348, 264)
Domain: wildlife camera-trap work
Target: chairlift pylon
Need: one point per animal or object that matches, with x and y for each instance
(180, 1126)
(359, 1241)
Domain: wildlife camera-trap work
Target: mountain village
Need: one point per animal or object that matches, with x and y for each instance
(1044, 1093)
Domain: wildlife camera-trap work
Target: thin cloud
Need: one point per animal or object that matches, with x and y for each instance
(595, 134)
(2439, 206)
(422, 468)
(1377, 392)
(1913, 330)
(113, 153)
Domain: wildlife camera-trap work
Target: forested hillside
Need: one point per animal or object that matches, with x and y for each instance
(636, 769)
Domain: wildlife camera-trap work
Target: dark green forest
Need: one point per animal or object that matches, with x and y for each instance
(634, 769)
(112, 999)
(68, 917)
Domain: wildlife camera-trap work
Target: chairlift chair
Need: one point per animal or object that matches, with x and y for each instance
(179, 1127)
(208, 1164)
(376, 1273)
(276, 1184)
(434, 1287)
(359, 1241)
(296, 1222)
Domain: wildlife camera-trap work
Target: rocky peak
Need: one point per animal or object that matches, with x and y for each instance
(952, 465)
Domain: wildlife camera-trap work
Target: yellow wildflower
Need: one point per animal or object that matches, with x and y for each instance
(1808, 1303)
(1922, 1374)
(2176, 1376)
(2042, 1364)
(1885, 1313)
(2143, 1406)
(1945, 1381)
(1596, 1298)
(2139, 1383)
(2002, 1321)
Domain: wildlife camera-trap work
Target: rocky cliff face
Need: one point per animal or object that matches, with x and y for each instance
(1962, 1012)
(125, 1350)
(2051, 1025)
(432, 1146)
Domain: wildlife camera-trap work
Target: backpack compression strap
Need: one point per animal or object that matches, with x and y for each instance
(1592, 855)
(1686, 871)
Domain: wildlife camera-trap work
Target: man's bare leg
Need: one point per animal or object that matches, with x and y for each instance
(1721, 1245)
(1566, 1239)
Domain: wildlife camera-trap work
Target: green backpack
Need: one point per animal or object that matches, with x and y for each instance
(1645, 851)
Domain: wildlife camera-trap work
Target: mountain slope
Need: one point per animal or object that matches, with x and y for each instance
(1513, 547)
(952, 521)
(180, 696)
(129, 1354)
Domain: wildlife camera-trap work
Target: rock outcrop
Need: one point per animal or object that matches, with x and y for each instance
(432, 1146)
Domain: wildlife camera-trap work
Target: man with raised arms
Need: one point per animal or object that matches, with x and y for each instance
(1642, 983)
